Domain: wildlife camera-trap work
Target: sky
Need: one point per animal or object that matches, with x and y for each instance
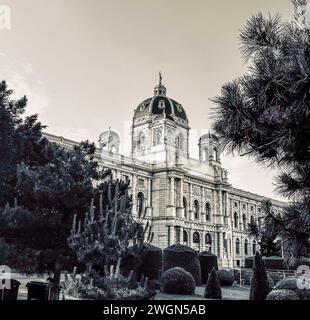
(86, 65)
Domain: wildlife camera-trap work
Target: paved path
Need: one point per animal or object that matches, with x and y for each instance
(228, 293)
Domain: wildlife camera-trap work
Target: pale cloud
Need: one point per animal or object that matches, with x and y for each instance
(21, 77)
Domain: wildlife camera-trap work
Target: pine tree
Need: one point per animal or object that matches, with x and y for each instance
(111, 233)
(21, 141)
(260, 286)
(213, 288)
(266, 114)
(266, 233)
(42, 186)
(107, 235)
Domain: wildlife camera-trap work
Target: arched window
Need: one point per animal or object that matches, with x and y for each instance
(180, 141)
(157, 136)
(140, 202)
(185, 237)
(252, 220)
(237, 246)
(196, 209)
(113, 149)
(170, 137)
(161, 104)
(140, 141)
(246, 247)
(254, 247)
(185, 207)
(208, 239)
(205, 155)
(244, 222)
(236, 222)
(208, 212)
(196, 237)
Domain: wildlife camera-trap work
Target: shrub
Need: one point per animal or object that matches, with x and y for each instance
(270, 281)
(275, 277)
(148, 263)
(213, 288)
(208, 261)
(182, 256)
(260, 286)
(178, 281)
(274, 263)
(290, 283)
(282, 294)
(226, 278)
(112, 287)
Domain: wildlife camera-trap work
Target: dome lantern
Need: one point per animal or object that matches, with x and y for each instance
(160, 89)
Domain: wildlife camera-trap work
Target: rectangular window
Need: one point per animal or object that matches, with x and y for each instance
(141, 182)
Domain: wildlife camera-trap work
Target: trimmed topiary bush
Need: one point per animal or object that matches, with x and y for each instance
(290, 283)
(282, 294)
(208, 261)
(226, 278)
(274, 263)
(148, 263)
(182, 256)
(178, 281)
(260, 286)
(248, 262)
(270, 281)
(213, 288)
(275, 277)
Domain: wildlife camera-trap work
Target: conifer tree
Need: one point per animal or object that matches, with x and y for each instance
(213, 288)
(42, 186)
(265, 114)
(260, 286)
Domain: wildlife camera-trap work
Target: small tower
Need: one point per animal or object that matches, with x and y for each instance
(109, 141)
(209, 149)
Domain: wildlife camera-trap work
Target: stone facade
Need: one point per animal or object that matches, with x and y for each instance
(188, 201)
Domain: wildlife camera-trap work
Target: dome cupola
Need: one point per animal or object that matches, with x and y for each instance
(159, 104)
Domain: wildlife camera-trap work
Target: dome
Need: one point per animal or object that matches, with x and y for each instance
(161, 104)
(107, 137)
(208, 136)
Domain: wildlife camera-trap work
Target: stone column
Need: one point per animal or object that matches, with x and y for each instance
(181, 193)
(149, 192)
(190, 204)
(181, 235)
(172, 235)
(203, 205)
(215, 212)
(134, 196)
(220, 206)
(172, 189)
(220, 244)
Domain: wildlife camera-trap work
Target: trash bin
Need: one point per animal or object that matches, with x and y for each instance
(10, 294)
(38, 290)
